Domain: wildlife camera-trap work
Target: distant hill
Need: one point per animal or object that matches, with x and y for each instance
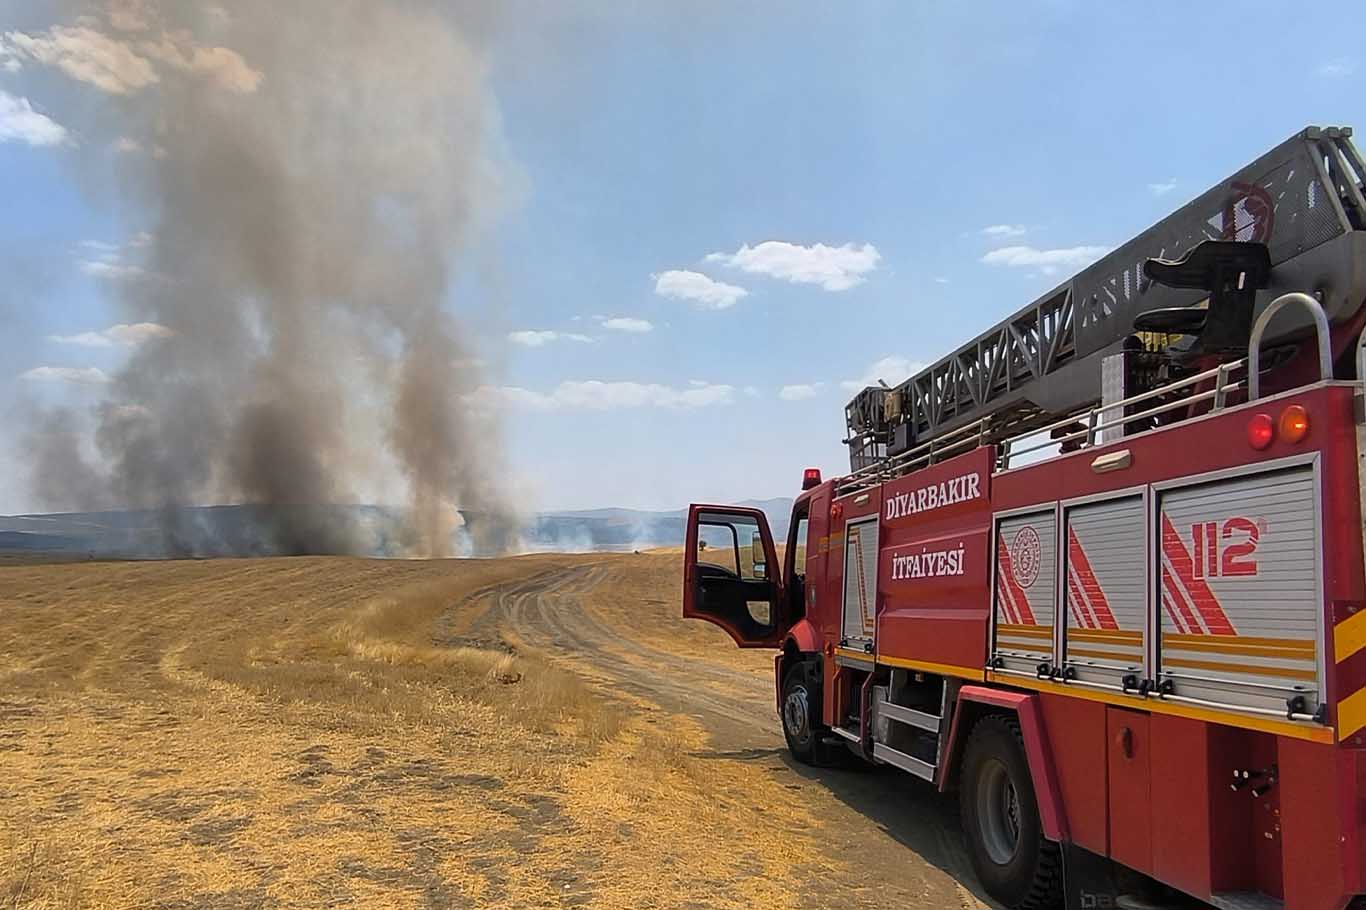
(215, 530)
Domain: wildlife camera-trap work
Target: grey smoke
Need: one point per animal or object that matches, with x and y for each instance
(314, 171)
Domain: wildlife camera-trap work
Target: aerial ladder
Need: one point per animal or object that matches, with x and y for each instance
(1168, 304)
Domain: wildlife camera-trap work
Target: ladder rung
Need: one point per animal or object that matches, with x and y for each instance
(847, 734)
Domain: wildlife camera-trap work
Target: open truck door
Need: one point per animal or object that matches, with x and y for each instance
(731, 575)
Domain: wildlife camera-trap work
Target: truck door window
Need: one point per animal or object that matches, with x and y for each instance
(733, 544)
(799, 549)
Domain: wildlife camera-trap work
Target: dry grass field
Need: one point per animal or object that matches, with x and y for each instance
(531, 732)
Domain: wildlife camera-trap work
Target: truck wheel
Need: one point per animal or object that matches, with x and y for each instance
(802, 727)
(1017, 865)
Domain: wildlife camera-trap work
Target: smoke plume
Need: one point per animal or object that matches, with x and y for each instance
(313, 172)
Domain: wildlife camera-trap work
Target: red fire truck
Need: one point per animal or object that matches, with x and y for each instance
(1100, 570)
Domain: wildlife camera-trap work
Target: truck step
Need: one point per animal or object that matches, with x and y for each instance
(921, 769)
(1245, 900)
(911, 716)
(847, 734)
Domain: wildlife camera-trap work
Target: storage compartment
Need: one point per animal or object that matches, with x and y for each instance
(1025, 590)
(1241, 592)
(860, 583)
(1106, 594)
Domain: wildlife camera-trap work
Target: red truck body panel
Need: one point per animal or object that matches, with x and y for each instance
(926, 612)
(1141, 780)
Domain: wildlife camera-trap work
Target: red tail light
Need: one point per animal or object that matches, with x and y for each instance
(811, 477)
(1294, 424)
(1261, 430)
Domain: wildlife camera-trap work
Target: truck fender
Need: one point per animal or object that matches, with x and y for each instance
(801, 639)
(1029, 713)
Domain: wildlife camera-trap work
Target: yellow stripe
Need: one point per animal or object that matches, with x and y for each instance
(1298, 644)
(856, 655)
(1029, 644)
(1352, 713)
(1118, 638)
(1349, 637)
(1211, 647)
(1108, 655)
(929, 667)
(1034, 631)
(1194, 712)
(1248, 669)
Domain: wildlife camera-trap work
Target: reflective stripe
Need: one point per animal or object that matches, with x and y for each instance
(1349, 636)
(1311, 732)
(1249, 669)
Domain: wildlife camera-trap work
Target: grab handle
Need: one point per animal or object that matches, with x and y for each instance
(1254, 345)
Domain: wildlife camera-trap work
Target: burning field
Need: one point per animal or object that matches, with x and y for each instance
(536, 731)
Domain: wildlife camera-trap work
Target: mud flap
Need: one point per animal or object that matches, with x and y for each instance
(1088, 880)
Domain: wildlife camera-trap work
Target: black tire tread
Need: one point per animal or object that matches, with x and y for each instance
(821, 754)
(1045, 892)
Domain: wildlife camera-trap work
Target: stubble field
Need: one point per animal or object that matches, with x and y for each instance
(541, 731)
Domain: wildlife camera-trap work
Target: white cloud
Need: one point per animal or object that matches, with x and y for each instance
(107, 260)
(19, 122)
(598, 395)
(626, 324)
(891, 370)
(834, 268)
(123, 334)
(87, 56)
(800, 391)
(121, 67)
(1337, 69)
(941, 280)
(1162, 188)
(126, 145)
(1046, 261)
(78, 375)
(224, 66)
(697, 288)
(533, 338)
(137, 333)
(1003, 230)
(111, 269)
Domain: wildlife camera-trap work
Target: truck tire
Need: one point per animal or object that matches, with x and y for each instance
(801, 717)
(1016, 864)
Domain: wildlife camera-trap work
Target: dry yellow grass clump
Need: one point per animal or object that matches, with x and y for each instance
(314, 732)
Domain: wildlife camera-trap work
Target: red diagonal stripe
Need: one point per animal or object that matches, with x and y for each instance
(1074, 600)
(1202, 598)
(1003, 597)
(1024, 612)
(1174, 599)
(1089, 585)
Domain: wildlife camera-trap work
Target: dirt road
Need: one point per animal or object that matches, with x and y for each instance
(900, 839)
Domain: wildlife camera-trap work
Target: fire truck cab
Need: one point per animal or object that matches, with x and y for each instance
(1101, 572)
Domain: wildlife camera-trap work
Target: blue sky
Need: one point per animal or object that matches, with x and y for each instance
(847, 184)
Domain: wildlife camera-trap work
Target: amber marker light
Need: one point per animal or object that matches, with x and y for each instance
(1294, 424)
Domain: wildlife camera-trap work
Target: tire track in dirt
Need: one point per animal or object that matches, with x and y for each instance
(549, 615)
(900, 828)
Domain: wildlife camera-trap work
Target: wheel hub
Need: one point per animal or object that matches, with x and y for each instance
(795, 715)
(998, 813)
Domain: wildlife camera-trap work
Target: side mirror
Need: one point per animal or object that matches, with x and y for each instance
(757, 560)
